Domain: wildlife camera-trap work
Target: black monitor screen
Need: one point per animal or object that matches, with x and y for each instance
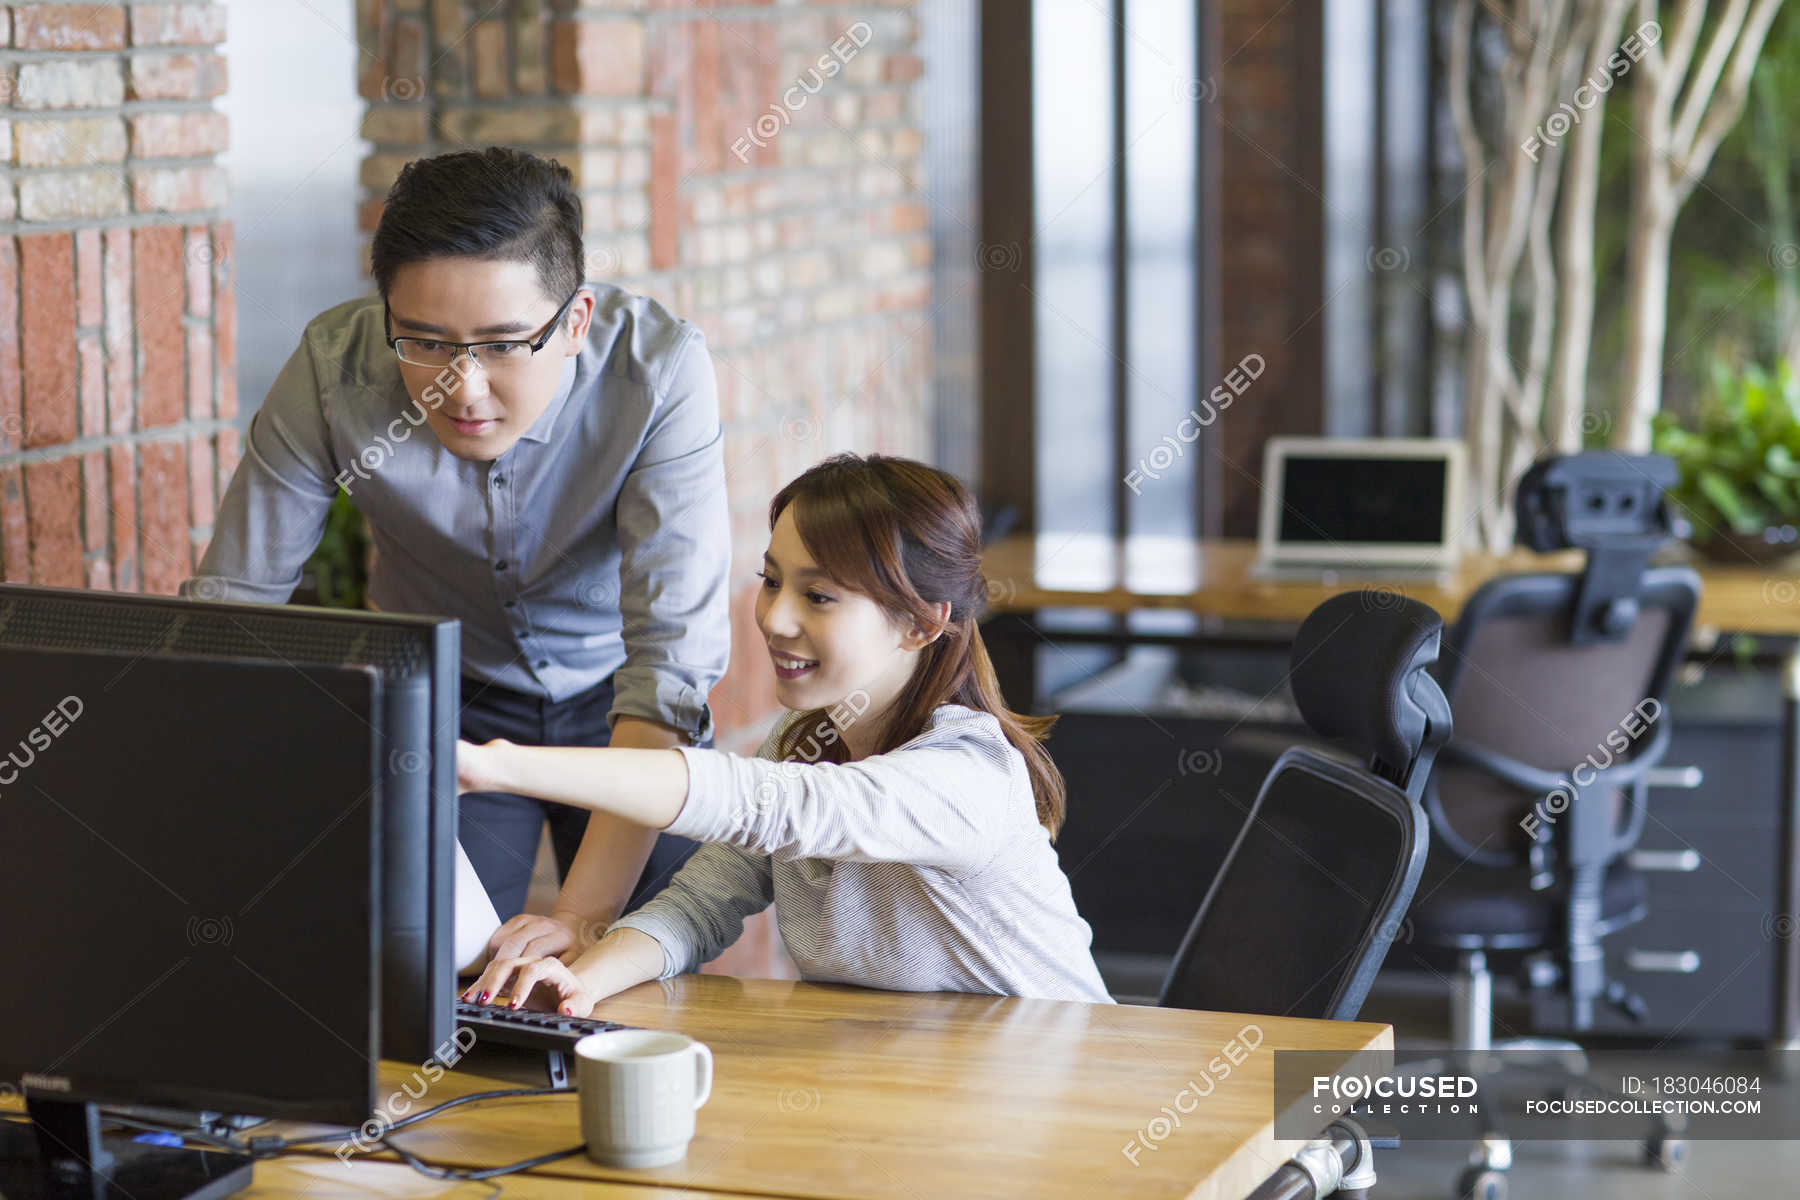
(187, 872)
(416, 660)
(1395, 501)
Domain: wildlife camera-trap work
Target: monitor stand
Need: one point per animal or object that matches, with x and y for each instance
(61, 1155)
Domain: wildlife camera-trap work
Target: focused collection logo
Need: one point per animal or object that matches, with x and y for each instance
(1410, 1095)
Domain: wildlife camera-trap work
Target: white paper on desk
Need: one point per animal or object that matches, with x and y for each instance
(476, 919)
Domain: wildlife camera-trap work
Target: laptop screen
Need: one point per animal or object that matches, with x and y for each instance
(1336, 499)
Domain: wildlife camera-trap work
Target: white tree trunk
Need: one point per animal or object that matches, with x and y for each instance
(1647, 295)
(1566, 408)
(1508, 201)
(1675, 146)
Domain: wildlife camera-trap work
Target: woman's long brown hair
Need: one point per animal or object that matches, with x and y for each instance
(908, 536)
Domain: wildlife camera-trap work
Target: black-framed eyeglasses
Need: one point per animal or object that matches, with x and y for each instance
(434, 352)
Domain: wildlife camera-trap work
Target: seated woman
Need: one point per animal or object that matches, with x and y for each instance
(899, 818)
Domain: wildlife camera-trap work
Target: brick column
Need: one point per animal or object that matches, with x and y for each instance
(117, 318)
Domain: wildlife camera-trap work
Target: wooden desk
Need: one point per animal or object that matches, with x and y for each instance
(306, 1178)
(838, 1092)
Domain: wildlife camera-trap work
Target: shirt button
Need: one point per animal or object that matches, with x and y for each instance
(501, 565)
(542, 663)
(499, 479)
(510, 604)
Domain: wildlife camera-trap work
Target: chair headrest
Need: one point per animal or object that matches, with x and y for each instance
(1358, 673)
(1601, 499)
(1611, 505)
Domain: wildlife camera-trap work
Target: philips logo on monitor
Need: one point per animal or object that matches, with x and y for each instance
(44, 1083)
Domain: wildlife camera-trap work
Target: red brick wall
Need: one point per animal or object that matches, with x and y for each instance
(799, 244)
(117, 317)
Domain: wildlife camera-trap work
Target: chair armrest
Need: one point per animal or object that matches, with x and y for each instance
(1528, 778)
(1534, 781)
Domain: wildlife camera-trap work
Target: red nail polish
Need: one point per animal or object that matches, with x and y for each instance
(484, 997)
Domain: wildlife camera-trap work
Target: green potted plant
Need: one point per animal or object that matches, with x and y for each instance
(338, 571)
(1740, 464)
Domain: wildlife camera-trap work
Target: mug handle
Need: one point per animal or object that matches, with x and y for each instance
(703, 1064)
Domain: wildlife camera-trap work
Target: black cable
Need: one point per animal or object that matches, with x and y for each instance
(198, 1135)
(458, 1174)
(413, 1119)
(259, 1152)
(497, 1094)
(269, 1146)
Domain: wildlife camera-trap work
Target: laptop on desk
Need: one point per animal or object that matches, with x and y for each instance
(1360, 509)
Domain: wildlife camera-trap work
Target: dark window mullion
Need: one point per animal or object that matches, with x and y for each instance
(1380, 308)
(1208, 496)
(1121, 273)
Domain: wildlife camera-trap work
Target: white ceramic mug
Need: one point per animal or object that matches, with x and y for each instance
(639, 1091)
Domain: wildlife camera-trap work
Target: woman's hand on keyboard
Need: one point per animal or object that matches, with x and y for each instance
(545, 984)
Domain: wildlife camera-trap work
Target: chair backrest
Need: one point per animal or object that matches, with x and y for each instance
(1523, 689)
(1310, 896)
(1302, 913)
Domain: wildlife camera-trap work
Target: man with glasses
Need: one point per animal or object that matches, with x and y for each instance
(537, 457)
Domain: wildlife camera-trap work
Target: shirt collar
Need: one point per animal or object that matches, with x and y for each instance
(540, 428)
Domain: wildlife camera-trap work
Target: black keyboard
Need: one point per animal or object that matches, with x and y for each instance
(521, 1027)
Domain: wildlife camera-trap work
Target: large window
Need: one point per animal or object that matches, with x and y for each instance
(1115, 96)
(1153, 192)
(1097, 286)
(1381, 227)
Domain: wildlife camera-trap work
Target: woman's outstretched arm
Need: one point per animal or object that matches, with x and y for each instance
(646, 787)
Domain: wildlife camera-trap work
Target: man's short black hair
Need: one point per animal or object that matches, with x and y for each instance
(497, 203)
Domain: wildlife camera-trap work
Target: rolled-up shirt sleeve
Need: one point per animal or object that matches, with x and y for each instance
(274, 510)
(939, 806)
(701, 912)
(675, 554)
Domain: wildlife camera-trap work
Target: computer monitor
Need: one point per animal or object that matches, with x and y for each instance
(1348, 503)
(417, 660)
(190, 861)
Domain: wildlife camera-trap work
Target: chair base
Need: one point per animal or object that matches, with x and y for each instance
(1557, 1062)
(1491, 1153)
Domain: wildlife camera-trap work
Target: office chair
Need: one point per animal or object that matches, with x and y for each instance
(1557, 682)
(1300, 915)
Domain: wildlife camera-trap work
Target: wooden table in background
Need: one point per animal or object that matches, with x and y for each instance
(1211, 578)
(837, 1092)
